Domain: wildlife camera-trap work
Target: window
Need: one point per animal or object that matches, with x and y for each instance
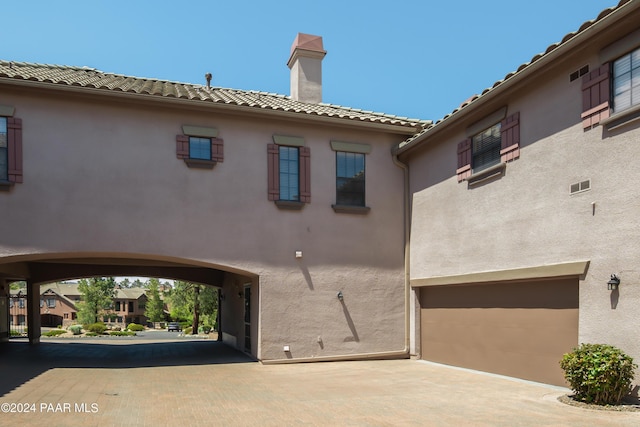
(21, 303)
(350, 179)
(199, 147)
(289, 172)
(626, 81)
(51, 302)
(486, 148)
(41, 303)
(142, 305)
(117, 305)
(497, 144)
(130, 306)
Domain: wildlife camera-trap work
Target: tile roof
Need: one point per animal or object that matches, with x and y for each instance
(63, 290)
(91, 78)
(129, 293)
(470, 101)
(71, 289)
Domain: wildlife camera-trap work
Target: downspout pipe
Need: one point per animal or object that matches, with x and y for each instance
(407, 235)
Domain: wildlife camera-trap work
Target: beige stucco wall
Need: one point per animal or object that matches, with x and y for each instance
(528, 218)
(101, 177)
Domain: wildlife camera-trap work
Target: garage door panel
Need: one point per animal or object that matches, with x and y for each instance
(509, 336)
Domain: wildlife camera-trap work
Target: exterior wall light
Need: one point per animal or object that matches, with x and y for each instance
(340, 296)
(613, 283)
(298, 254)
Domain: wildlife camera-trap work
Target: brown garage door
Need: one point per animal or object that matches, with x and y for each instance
(517, 329)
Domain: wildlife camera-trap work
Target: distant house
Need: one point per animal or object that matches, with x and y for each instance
(129, 305)
(58, 306)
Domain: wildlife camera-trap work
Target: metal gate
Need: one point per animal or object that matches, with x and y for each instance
(18, 314)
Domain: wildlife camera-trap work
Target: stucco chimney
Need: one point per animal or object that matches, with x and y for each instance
(305, 64)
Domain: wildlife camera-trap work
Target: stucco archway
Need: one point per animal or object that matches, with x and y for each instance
(37, 269)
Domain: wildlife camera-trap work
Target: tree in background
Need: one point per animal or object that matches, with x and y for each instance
(18, 285)
(155, 306)
(194, 303)
(97, 295)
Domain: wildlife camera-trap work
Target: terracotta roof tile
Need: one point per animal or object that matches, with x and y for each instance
(94, 79)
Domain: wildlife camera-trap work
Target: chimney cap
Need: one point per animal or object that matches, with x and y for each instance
(306, 45)
(308, 42)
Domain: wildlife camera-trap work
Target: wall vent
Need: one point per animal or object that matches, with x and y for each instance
(581, 186)
(579, 73)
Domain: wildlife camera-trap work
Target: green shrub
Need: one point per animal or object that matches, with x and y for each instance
(187, 331)
(54, 333)
(598, 373)
(15, 333)
(75, 329)
(122, 333)
(135, 327)
(97, 328)
(91, 334)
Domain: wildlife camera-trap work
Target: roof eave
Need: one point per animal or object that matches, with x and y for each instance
(400, 129)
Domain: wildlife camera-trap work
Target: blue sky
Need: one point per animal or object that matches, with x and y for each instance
(415, 58)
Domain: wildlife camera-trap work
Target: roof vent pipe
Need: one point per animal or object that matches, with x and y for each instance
(208, 76)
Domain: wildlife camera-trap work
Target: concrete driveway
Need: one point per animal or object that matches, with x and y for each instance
(204, 383)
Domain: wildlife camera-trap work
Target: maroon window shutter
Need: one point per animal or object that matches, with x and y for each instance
(510, 138)
(273, 169)
(182, 146)
(14, 149)
(305, 174)
(464, 159)
(595, 96)
(217, 150)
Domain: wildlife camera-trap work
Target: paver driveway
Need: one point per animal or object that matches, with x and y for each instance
(202, 383)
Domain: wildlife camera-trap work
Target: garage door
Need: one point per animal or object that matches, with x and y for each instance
(517, 329)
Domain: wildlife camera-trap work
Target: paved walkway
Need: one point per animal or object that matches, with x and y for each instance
(204, 383)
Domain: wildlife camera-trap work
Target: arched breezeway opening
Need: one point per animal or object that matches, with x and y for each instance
(238, 289)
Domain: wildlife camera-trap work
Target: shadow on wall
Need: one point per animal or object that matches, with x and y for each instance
(307, 275)
(615, 297)
(352, 326)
